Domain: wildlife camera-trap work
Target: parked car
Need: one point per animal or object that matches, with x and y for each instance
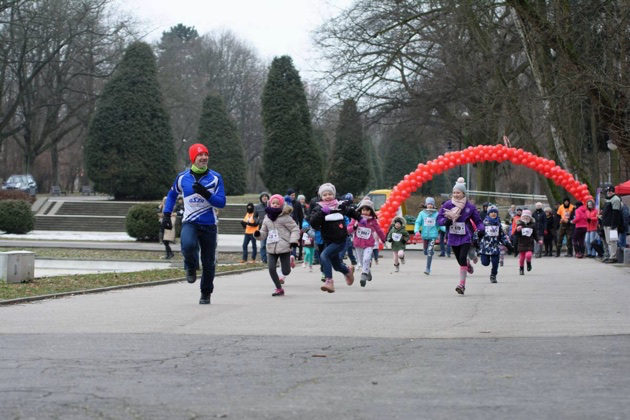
(24, 183)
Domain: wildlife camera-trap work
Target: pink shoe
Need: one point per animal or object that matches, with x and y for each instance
(328, 286)
(349, 277)
(470, 268)
(281, 280)
(292, 261)
(278, 292)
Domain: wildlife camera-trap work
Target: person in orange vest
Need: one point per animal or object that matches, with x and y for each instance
(565, 227)
(251, 226)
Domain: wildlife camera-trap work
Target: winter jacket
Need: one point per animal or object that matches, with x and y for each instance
(427, 223)
(493, 237)
(579, 220)
(332, 225)
(196, 208)
(259, 209)
(398, 242)
(526, 235)
(611, 214)
(363, 231)
(539, 220)
(308, 234)
(457, 236)
(591, 220)
(280, 233)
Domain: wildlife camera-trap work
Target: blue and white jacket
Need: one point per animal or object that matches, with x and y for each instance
(196, 208)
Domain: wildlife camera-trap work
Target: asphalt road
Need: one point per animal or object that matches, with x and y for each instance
(554, 343)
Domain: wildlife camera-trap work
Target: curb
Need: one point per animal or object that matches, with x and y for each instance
(110, 288)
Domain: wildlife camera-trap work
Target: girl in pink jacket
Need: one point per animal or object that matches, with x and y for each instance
(579, 234)
(363, 237)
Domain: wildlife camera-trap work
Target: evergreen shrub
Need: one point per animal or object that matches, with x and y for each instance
(142, 223)
(17, 216)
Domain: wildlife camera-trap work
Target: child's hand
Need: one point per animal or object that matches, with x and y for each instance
(518, 228)
(363, 221)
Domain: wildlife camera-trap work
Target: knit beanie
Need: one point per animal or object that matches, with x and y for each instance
(276, 197)
(327, 187)
(196, 149)
(366, 203)
(493, 209)
(526, 213)
(429, 200)
(460, 185)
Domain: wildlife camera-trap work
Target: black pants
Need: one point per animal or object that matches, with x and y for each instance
(565, 229)
(285, 264)
(548, 241)
(461, 253)
(578, 240)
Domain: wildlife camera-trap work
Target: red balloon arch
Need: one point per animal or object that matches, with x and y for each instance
(499, 153)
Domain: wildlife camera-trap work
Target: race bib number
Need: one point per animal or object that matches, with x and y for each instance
(492, 231)
(527, 231)
(196, 202)
(428, 222)
(396, 236)
(364, 232)
(457, 228)
(273, 237)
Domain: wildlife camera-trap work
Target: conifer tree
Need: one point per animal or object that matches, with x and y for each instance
(350, 168)
(129, 151)
(218, 132)
(290, 158)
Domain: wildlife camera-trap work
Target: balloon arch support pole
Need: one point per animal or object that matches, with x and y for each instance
(475, 154)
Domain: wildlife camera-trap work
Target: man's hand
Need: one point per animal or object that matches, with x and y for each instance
(166, 221)
(201, 190)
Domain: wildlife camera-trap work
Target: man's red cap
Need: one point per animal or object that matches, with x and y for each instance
(195, 149)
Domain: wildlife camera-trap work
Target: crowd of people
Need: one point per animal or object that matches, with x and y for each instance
(332, 226)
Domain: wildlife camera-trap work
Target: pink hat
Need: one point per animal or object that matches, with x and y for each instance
(526, 213)
(277, 197)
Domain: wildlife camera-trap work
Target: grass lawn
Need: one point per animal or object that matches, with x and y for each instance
(82, 282)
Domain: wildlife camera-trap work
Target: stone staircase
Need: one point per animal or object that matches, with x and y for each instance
(109, 216)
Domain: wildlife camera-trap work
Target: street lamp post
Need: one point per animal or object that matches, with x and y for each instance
(611, 146)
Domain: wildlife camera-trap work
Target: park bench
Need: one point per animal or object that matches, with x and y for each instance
(56, 190)
(86, 190)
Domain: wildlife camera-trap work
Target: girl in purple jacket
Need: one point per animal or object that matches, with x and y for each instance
(363, 232)
(456, 215)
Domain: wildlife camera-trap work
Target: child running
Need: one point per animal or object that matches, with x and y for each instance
(426, 222)
(308, 241)
(455, 214)
(398, 237)
(363, 241)
(491, 241)
(328, 217)
(281, 232)
(525, 236)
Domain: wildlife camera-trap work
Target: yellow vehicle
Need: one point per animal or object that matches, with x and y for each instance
(378, 197)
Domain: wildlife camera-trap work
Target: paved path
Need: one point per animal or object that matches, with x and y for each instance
(551, 344)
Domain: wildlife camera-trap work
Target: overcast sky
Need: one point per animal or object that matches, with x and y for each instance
(272, 27)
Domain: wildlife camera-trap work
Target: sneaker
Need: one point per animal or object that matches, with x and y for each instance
(243, 262)
(310, 268)
(610, 261)
(292, 258)
(369, 276)
(281, 280)
(376, 261)
(442, 255)
(396, 267)
(521, 271)
(349, 277)
(328, 286)
(278, 292)
(303, 265)
(363, 280)
(205, 298)
(470, 268)
(402, 260)
(427, 272)
(252, 262)
(191, 276)
(493, 278)
(501, 263)
(529, 266)
(460, 289)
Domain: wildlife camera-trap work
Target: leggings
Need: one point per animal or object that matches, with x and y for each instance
(578, 240)
(309, 251)
(365, 256)
(522, 256)
(285, 264)
(461, 253)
